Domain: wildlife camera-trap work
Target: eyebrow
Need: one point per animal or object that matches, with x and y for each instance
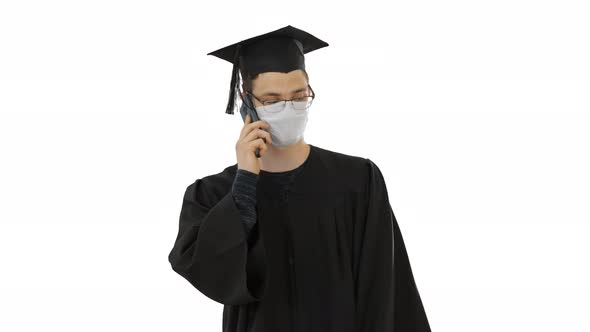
(278, 94)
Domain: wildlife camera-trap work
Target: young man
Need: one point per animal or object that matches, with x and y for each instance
(302, 238)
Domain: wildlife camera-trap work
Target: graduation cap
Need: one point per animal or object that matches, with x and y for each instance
(281, 50)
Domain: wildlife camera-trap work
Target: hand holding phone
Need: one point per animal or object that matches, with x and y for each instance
(247, 108)
(253, 140)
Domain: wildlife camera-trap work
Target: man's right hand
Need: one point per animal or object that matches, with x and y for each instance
(251, 137)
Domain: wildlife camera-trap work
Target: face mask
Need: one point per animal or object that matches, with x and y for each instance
(286, 126)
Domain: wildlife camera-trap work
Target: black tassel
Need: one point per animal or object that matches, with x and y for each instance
(234, 83)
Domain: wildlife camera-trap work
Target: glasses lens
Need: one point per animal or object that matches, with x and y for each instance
(275, 107)
(302, 103)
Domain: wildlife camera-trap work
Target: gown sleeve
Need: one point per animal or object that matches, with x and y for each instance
(386, 296)
(244, 193)
(212, 251)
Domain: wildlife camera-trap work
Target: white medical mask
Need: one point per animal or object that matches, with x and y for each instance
(286, 126)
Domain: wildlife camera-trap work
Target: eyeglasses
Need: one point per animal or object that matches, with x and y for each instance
(276, 105)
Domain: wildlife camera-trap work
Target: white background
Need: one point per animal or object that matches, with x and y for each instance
(477, 113)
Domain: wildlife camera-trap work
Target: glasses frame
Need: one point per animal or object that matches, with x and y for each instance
(285, 100)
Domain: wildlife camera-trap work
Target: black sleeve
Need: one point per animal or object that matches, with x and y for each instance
(244, 194)
(387, 298)
(211, 249)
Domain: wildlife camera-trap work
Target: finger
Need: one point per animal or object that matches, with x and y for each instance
(258, 143)
(263, 148)
(258, 124)
(252, 126)
(258, 133)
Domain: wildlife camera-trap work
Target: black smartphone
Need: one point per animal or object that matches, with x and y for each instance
(248, 108)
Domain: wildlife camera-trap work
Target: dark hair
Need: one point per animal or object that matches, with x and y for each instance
(247, 79)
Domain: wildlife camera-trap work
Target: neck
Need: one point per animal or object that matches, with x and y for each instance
(281, 159)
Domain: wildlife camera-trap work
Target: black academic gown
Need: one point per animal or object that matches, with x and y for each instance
(332, 259)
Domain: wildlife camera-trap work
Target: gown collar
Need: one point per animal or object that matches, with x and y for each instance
(307, 179)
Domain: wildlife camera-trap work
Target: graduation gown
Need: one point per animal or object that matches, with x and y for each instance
(331, 259)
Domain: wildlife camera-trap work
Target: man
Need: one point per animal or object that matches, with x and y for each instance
(300, 238)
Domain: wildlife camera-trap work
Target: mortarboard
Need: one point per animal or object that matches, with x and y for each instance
(281, 50)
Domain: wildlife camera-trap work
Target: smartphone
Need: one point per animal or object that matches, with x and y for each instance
(248, 108)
